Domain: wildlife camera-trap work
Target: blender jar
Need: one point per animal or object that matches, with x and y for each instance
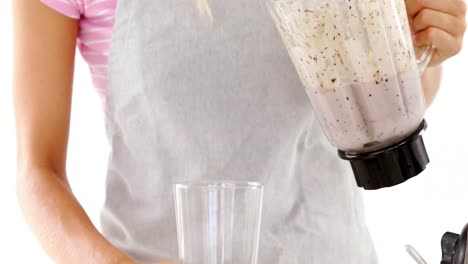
(357, 62)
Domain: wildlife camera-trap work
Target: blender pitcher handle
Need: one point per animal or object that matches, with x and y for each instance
(426, 56)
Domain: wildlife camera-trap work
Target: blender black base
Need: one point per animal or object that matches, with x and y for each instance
(390, 166)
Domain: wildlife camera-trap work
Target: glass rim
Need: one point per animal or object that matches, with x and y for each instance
(218, 185)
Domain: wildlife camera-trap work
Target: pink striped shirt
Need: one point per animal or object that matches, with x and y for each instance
(96, 18)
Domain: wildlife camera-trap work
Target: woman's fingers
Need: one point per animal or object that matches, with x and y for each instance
(413, 7)
(453, 7)
(446, 44)
(432, 18)
(438, 22)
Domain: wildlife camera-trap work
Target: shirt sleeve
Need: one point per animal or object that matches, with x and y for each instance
(69, 8)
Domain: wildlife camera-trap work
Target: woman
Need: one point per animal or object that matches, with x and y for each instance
(187, 99)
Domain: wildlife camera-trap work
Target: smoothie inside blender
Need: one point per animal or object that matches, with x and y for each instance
(357, 62)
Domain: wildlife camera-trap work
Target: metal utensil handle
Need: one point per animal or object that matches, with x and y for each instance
(415, 254)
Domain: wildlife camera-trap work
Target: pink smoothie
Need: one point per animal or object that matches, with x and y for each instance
(366, 117)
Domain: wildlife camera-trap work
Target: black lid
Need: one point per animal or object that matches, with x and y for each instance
(392, 165)
(454, 247)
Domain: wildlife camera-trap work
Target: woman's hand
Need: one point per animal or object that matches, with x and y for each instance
(438, 22)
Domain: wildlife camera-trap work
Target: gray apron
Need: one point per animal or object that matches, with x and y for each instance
(190, 101)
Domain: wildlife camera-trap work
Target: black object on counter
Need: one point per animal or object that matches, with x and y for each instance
(392, 165)
(454, 247)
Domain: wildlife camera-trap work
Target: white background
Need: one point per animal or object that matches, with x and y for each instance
(417, 212)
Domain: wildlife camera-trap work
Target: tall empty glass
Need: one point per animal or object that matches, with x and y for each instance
(218, 222)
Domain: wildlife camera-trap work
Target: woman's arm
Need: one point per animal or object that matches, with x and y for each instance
(431, 80)
(44, 57)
